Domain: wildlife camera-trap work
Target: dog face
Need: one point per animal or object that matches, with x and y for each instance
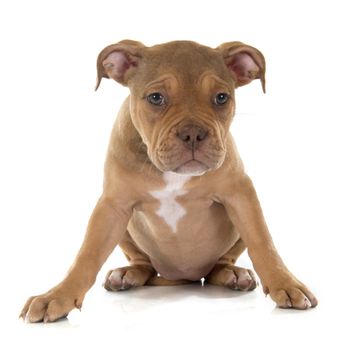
(182, 97)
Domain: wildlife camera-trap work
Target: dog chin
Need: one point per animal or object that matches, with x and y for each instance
(192, 168)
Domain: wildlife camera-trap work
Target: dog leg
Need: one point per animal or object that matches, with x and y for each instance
(106, 228)
(243, 208)
(231, 276)
(135, 275)
(139, 273)
(127, 277)
(225, 273)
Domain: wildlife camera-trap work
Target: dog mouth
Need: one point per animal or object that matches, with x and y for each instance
(192, 167)
(186, 164)
(194, 161)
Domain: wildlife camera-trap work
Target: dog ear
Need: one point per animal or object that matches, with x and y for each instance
(119, 61)
(245, 62)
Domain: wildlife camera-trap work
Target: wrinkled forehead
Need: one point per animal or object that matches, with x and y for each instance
(188, 62)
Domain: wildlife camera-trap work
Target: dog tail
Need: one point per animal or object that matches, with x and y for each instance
(161, 281)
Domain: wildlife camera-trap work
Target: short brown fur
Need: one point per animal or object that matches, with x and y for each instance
(188, 134)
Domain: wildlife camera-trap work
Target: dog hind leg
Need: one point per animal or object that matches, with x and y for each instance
(225, 273)
(135, 275)
(139, 273)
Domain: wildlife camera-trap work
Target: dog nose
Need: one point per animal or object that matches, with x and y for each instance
(192, 135)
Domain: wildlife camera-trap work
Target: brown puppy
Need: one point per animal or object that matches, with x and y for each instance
(176, 197)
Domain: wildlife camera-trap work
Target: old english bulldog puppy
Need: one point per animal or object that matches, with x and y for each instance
(176, 197)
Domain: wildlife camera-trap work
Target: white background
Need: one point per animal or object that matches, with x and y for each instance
(294, 140)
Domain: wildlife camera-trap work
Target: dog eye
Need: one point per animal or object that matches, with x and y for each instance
(156, 99)
(221, 98)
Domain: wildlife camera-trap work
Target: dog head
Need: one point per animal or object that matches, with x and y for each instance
(182, 97)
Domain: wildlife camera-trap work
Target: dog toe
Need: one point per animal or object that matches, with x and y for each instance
(245, 279)
(114, 280)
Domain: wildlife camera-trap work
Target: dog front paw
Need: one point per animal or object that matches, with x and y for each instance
(290, 293)
(51, 306)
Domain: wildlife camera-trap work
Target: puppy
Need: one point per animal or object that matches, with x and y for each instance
(176, 197)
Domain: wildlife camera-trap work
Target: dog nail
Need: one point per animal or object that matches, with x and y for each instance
(307, 303)
(108, 65)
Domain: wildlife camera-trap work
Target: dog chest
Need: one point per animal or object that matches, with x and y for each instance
(170, 210)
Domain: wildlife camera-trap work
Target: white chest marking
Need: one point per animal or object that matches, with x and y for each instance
(170, 210)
